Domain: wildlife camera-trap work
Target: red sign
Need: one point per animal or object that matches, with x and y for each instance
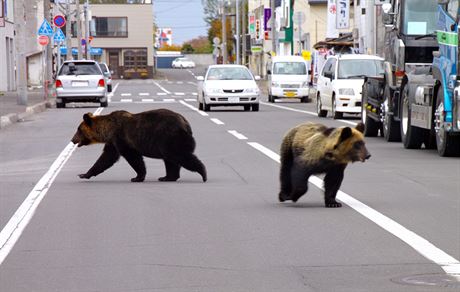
(43, 40)
(59, 21)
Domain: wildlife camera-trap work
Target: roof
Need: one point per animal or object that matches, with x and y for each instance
(227, 65)
(358, 56)
(287, 58)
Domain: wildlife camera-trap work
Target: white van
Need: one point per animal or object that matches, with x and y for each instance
(288, 78)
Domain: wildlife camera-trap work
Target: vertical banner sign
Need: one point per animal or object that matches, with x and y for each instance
(343, 14)
(267, 16)
(252, 23)
(332, 31)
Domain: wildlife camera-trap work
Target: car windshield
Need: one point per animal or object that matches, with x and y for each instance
(183, 60)
(289, 68)
(104, 68)
(229, 74)
(419, 17)
(349, 69)
(80, 69)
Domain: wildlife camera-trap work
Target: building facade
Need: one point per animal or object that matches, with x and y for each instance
(7, 47)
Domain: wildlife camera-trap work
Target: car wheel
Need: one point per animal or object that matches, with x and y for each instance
(200, 106)
(271, 98)
(104, 104)
(304, 99)
(371, 127)
(321, 113)
(247, 107)
(255, 107)
(412, 137)
(390, 127)
(109, 88)
(206, 107)
(60, 104)
(335, 114)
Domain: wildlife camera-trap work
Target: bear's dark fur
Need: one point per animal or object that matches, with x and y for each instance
(314, 149)
(160, 133)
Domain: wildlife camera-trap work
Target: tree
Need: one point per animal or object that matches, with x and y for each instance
(211, 10)
(200, 45)
(187, 49)
(215, 30)
(166, 47)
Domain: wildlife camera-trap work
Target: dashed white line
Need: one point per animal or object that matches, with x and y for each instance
(126, 94)
(126, 100)
(168, 99)
(217, 121)
(194, 108)
(237, 135)
(144, 94)
(161, 93)
(190, 99)
(179, 93)
(147, 100)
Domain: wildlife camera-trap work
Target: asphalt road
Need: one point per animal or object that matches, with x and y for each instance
(399, 228)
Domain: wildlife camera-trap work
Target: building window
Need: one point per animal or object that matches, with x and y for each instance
(135, 59)
(110, 27)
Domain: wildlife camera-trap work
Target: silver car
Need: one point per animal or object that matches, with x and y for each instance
(80, 81)
(108, 75)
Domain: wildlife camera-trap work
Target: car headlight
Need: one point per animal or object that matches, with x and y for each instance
(276, 84)
(346, 91)
(213, 90)
(251, 90)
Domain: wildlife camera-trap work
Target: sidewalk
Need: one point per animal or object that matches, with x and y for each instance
(11, 112)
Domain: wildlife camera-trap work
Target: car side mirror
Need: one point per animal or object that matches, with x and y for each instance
(269, 72)
(200, 78)
(257, 77)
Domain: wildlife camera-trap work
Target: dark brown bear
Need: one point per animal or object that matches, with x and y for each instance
(160, 133)
(314, 149)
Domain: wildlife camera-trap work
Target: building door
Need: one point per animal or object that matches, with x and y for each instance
(114, 63)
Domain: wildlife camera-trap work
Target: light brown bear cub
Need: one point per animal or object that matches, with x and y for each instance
(314, 149)
(161, 134)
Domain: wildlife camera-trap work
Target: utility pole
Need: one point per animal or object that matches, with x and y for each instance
(79, 34)
(238, 35)
(243, 33)
(87, 18)
(48, 13)
(273, 26)
(68, 30)
(20, 28)
(224, 34)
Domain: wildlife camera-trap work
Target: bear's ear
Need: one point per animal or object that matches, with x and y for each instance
(88, 118)
(345, 134)
(360, 127)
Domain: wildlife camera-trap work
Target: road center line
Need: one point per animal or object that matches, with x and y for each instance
(237, 135)
(194, 108)
(12, 231)
(161, 87)
(304, 112)
(448, 263)
(217, 121)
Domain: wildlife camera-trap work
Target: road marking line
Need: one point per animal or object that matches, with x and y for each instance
(169, 99)
(179, 93)
(126, 100)
(13, 230)
(161, 87)
(147, 100)
(448, 263)
(304, 112)
(190, 99)
(162, 93)
(179, 82)
(194, 108)
(237, 135)
(109, 97)
(194, 93)
(144, 94)
(126, 94)
(217, 121)
(191, 83)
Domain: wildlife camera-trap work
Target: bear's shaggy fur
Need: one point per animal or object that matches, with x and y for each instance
(314, 149)
(160, 133)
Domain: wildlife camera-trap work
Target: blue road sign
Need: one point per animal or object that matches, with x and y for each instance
(45, 29)
(59, 36)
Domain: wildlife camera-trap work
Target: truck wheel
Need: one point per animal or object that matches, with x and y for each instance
(412, 137)
(371, 128)
(60, 104)
(335, 114)
(391, 131)
(447, 144)
(271, 98)
(321, 113)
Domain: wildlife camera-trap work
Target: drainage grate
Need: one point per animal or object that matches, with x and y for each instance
(433, 280)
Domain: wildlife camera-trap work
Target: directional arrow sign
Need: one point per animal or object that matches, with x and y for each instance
(59, 36)
(45, 29)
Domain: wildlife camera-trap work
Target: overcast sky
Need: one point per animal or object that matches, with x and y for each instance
(185, 17)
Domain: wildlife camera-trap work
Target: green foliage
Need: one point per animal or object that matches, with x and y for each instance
(187, 49)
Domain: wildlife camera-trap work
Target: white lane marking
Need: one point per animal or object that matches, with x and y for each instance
(179, 82)
(169, 99)
(191, 83)
(126, 94)
(194, 108)
(194, 93)
(189, 99)
(179, 93)
(126, 100)
(161, 87)
(144, 94)
(304, 112)
(162, 93)
(109, 97)
(217, 121)
(190, 71)
(237, 135)
(147, 100)
(448, 263)
(144, 102)
(13, 230)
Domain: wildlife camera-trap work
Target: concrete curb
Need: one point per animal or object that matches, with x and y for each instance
(10, 119)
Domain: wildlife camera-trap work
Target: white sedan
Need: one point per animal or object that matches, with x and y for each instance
(228, 85)
(183, 63)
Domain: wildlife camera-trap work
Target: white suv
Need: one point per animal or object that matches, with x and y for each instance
(340, 83)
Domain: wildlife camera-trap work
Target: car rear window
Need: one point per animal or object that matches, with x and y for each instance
(80, 69)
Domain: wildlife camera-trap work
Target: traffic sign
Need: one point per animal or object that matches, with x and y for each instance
(43, 40)
(45, 29)
(59, 21)
(59, 36)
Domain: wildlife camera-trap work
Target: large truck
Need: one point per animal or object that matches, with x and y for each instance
(417, 100)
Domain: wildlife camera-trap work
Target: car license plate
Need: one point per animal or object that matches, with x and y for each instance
(233, 99)
(290, 93)
(80, 83)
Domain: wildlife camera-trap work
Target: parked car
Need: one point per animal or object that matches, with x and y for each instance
(107, 75)
(228, 85)
(288, 78)
(80, 81)
(340, 83)
(183, 63)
